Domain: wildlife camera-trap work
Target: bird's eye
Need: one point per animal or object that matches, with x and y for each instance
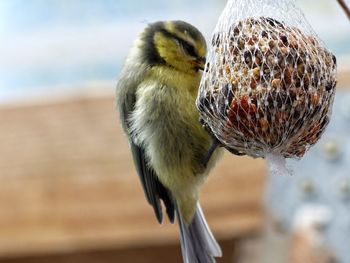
(188, 48)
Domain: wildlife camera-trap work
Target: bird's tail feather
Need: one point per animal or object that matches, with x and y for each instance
(198, 244)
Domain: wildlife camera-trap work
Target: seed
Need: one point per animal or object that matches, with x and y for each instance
(247, 57)
(294, 44)
(284, 51)
(301, 69)
(276, 83)
(315, 99)
(288, 73)
(272, 43)
(256, 72)
(252, 40)
(253, 84)
(264, 124)
(284, 39)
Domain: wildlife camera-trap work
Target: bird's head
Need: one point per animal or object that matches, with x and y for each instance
(175, 44)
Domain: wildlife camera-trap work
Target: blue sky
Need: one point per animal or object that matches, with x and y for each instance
(65, 45)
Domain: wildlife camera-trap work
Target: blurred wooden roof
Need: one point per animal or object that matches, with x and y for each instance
(68, 183)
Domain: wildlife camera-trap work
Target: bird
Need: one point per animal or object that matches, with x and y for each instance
(155, 97)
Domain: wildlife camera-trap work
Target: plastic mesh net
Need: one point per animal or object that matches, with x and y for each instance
(269, 82)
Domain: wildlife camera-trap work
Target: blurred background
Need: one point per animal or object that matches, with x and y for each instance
(69, 192)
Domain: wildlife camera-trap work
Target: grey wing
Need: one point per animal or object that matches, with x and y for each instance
(153, 189)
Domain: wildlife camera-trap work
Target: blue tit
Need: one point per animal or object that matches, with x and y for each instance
(155, 95)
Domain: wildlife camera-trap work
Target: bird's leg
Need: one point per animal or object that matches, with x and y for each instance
(215, 144)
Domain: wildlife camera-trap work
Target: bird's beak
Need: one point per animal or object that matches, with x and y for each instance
(200, 63)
